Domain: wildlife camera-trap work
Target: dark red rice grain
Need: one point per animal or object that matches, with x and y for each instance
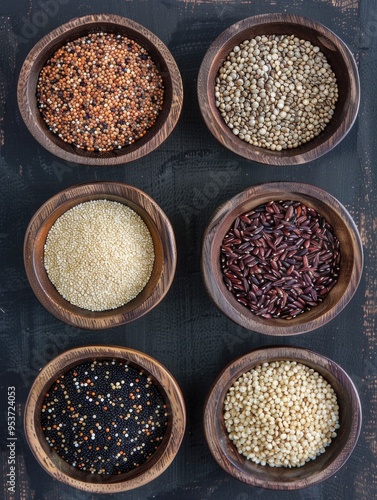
(280, 259)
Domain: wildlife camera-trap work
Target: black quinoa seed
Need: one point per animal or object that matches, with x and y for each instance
(104, 417)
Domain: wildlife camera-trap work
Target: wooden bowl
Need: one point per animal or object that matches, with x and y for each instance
(76, 28)
(164, 248)
(282, 478)
(338, 56)
(101, 483)
(350, 248)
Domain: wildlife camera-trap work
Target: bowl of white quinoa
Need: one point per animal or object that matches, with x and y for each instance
(279, 89)
(282, 418)
(99, 255)
(100, 90)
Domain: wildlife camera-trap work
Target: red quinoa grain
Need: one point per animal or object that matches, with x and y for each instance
(100, 92)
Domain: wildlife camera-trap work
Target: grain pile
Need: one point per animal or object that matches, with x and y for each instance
(276, 91)
(104, 417)
(280, 259)
(281, 414)
(99, 255)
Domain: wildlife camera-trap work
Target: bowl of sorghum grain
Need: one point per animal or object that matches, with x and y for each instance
(100, 90)
(282, 258)
(104, 419)
(100, 255)
(279, 89)
(282, 417)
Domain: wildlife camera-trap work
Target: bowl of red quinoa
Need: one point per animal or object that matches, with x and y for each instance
(282, 417)
(282, 258)
(100, 90)
(104, 419)
(279, 89)
(100, 255)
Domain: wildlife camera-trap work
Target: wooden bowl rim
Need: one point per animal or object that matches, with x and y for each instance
(64, 362)
(61, 308)
(256, 357)
(224, 300)
(224, 135)
(87, 21)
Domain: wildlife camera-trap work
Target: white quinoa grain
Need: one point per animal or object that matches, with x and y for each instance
(281, 414)
(99, 255)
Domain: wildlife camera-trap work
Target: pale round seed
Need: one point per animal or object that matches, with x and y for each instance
(275, 414)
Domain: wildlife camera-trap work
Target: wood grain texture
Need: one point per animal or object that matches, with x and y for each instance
(325, 204)
(99, 483)
(164, 247)
(281, 478)
(339, 57)
(45, 48)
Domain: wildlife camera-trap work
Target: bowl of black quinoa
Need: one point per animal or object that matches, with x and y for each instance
(279, 89)
(282, 258)
(100, 90)
(104, 419)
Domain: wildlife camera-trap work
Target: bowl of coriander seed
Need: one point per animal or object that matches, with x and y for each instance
(100, 90)
(282, 418)
(101, 254)
(279, 89)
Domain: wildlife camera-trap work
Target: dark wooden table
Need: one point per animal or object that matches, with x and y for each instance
(189, 176)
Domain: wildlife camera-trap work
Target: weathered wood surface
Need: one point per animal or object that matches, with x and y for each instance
(189, 176)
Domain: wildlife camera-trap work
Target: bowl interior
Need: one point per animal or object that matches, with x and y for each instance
(338, 56)
(312, 472)
(50, 290)
(58, 38)
(103, 483)
(344, 229)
